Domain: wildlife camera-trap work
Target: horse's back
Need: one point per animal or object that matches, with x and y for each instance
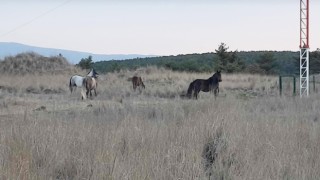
(76, 80)
(137, 81)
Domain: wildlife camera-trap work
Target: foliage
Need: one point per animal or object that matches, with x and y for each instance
(86, 63)
(315, 62)
(265, 64)
(238, 61)
(227, 61)
(190, 62)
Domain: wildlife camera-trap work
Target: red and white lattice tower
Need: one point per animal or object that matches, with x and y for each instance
(304, 48)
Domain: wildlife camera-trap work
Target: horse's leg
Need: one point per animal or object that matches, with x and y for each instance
(90, 93)
(195, 93)
(140, 88)
(87, 93)
(83, 96)
(95, 91)
(216, 92)
(73, 88)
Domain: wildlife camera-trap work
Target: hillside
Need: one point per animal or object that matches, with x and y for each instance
(285, 61)
(32, 63)
(11, 49)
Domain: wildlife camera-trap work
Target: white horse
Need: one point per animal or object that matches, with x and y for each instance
(76, 81)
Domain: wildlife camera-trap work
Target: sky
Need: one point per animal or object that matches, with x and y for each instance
(157, 27)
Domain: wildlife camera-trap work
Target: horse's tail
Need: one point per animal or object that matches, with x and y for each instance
(70, 85)
(189, 92)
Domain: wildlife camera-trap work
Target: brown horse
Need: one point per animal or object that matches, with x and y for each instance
(89, 83)
(137, 81)
(205, 85)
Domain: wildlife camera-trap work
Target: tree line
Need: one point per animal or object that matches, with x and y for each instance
(258, 62)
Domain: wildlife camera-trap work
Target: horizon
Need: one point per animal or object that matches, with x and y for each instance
(156, 28)
(150, 55)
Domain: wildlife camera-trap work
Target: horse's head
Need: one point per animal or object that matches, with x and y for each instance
(93, 73)
(218, 75)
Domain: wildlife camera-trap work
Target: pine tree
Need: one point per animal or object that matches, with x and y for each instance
(227, 61)
(86, 63)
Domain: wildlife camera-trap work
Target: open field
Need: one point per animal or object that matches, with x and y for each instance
(46, 133)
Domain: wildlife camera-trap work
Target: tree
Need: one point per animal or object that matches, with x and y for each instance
(227, 61)
(86, 63)
(267, 63)
(315, 62)
(221, 53)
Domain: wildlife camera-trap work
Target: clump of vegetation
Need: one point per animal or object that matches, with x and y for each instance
(123, 134)
(33, 63)
(211, 150)
(85, 63)
(257, 62)
(228, 61)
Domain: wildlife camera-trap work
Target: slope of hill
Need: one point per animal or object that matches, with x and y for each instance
(199, 62)
(32, 63)
(11, 49)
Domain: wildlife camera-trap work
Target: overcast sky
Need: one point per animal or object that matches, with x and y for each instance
(156, 27)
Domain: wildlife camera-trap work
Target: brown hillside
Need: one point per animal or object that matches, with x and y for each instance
(33, 63)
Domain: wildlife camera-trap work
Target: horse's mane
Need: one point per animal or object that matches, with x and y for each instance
(93, 73)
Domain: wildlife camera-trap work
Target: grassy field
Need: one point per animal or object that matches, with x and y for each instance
(247, 132)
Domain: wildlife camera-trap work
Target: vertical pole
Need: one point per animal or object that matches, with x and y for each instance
(304, 48)
(314, 83)
(294, 86)
(280, 85)
(304, 72)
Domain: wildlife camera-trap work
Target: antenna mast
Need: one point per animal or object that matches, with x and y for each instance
(304, 48)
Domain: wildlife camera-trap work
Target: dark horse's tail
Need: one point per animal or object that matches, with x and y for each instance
(70, 85)
(190, 89)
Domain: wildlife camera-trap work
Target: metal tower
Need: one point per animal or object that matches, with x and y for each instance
(304, 48)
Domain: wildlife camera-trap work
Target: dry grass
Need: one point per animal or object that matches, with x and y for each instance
(251, 132)
(32, 63)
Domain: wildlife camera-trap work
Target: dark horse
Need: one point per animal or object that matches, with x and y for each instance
(137, 81)
(205, 85)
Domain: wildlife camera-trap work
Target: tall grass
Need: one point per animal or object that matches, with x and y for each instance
(251, 131)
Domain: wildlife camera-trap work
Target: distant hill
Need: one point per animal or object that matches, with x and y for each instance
(204, 62)
(11, 49)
